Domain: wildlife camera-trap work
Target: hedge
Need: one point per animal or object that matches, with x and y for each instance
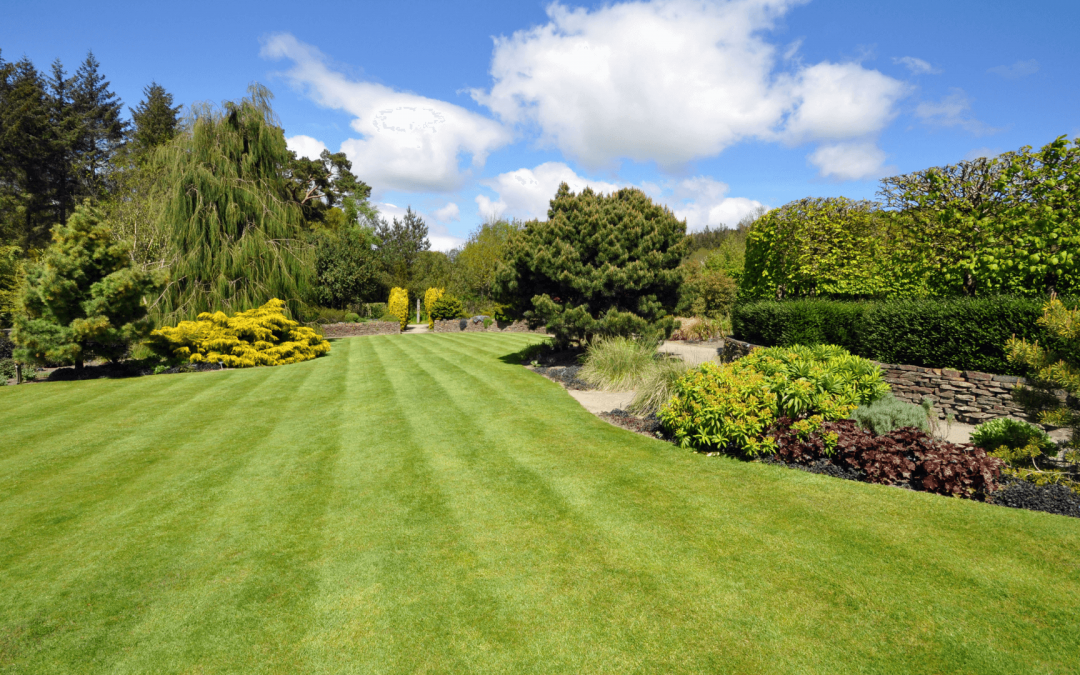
(960, 333)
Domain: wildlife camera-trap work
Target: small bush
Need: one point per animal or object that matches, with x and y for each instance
(375, 309)
(399, 306)
(730, 407)
(618, 363)
(447, 307)
(352, 317)
(7, 370)
(257, 337)
(888, 413)
(1013, 434)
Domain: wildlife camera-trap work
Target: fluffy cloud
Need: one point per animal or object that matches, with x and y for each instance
(850, 161)
(409, 142)
(916, 66)
(305, 146)
(1016, 70)
(953, 110)
(525, 193)
(675, 80)
(703, 202)
(448, 213)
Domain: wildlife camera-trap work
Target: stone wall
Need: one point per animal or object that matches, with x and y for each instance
(970, 396)
(340, 330)
(476, 325)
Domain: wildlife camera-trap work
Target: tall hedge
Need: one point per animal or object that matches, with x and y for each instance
(961, 333)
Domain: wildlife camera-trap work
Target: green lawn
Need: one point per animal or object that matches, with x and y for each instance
(414, 503)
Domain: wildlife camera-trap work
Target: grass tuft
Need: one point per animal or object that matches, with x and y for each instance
(618, 363)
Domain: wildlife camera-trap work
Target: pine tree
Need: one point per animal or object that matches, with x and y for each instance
(600, 265)
(101, 130)
(26, 212)
(232, 231)
(84, 298)
(156, 119)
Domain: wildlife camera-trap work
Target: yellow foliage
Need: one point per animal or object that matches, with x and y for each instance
(430, 297)
(257, 337)
(399, 305)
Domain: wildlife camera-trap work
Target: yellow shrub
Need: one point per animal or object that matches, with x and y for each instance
(257, 337)
(399, 305)
(430, 297)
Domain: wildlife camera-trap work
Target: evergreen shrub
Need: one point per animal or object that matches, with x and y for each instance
(960, 333)
(1010, 433)
(257, 337)
(431, 296)
(732, 407)
(447, 307)
(398, 306)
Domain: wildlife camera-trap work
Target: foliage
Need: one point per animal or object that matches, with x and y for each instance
(730, 407)
(232, 231)
(831, 247)
(347, 270)
(327, 192)
(398, 306)
(400, 245)
(1053, 366)
(904, 456)
(698, 328)
(11, 274)
(1011, 433)
(888, 413)
(447, 307)
(706, 292)
(617, 363)
(156, 119)
(7, 370)
(84, 298)
(960, 333)
(258, 337)
(478, 260)
(431, 296)
(58, 137)
(432, 269)
(600, 265)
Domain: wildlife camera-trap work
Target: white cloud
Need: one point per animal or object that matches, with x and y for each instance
(850, 161)
(526, 193)
(702, 202)
(1016, 70)
(675, 80)
(305, 146)
(409, 142)
(448, 213)
(916, 66)
(953, 111)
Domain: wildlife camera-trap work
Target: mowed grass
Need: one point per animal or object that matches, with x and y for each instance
(415, 504)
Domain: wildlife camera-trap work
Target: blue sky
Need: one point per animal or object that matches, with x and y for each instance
(467, 110)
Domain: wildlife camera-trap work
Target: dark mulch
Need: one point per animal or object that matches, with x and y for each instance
(1021, 494)
(648, 426)
(565, 375)
(550, 357)
(122, 370)
(824, 467)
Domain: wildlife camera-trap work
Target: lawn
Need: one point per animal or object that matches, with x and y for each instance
(417, 504)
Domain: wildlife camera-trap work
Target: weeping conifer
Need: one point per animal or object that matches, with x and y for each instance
(232, 235)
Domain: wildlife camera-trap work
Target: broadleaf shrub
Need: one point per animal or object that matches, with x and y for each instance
(960, 333)
(1011, 433)
(905, 456)
(731, 407)
(257, 337)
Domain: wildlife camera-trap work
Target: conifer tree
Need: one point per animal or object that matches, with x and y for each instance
(232, 231)
(84, 298)
(156, 119)
(600, 265)
(26, 212)
(100, 129)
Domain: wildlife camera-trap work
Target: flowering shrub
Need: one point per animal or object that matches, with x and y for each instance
(399, 305)
(257, 337)
(731, 407)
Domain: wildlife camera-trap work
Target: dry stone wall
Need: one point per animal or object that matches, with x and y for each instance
(970, 396)
(340, 330)
(476, 325)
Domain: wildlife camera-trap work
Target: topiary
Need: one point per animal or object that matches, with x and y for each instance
(447, 307)
(888, 413)
(257, 337)
(399, 305)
